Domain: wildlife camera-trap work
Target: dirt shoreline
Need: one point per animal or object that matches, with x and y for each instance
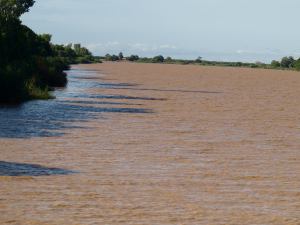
(215, 145)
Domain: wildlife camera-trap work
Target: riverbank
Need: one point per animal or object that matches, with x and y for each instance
(161, 144)
(286, 63)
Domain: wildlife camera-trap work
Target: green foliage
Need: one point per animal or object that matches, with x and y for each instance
(186, 62)
(133, 58)
(29, 63)
(36, 92)
(13, 81)
(168, 59)
(141, 60)
(158, 59)
(74, 54)
(287, 62)
(297, 65)
(81, 51)
(121, 56)
(198, 60)
(275, 64)
(109, 57)
(13, 9)
(51, 72)
(114, 58)
(64, 51)
(46, 37)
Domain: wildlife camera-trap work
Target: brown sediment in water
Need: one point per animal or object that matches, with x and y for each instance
(218, 146)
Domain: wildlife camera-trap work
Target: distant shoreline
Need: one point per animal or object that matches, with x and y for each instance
(286, 63)
(210, 64)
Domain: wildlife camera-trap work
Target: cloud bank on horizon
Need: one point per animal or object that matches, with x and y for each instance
(232, 30)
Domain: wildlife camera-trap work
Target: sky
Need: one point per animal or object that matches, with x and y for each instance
(223, 30)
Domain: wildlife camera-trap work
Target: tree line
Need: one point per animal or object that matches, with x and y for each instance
(30, 65)
(287, 63)
(284, 63)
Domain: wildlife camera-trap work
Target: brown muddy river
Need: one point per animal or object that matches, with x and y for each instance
(129, 143)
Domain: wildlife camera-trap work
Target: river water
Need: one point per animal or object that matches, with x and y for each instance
(129, 143)
(72, 104)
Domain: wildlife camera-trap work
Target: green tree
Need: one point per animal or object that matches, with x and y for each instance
(121, 56)
(133, 58)
(13, 9)
(46, 37)
(77, 48)
(168, 59)
(114, 58)
(29, 63)
(275, 64)
(199, 60)
(158, 59)
(297, 64)
(84, 52)
(25, 68)
(108, 57)
(287, 62)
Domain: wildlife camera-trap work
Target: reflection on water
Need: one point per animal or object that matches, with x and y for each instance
(72, 104)
(21, 169)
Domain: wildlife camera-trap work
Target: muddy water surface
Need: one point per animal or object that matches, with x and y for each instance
(155, 144)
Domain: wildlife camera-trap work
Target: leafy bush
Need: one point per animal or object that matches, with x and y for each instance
(168, 59)
(297, 65)
(275, 64)
(287, 62)
(109, 57)
(158, 59)
(198, 60)
(121, 56)
(133, 58)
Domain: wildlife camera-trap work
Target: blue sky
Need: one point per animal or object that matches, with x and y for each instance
(232, 30)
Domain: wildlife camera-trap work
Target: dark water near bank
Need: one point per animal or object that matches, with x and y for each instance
(73, 104)
(23, 169)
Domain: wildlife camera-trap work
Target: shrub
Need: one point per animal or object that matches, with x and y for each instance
(297, 65)
(121, 56)
(198, 60)
(109, 57)
(287, 62)
(133, 58)
(158, 59)
(275, 64)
